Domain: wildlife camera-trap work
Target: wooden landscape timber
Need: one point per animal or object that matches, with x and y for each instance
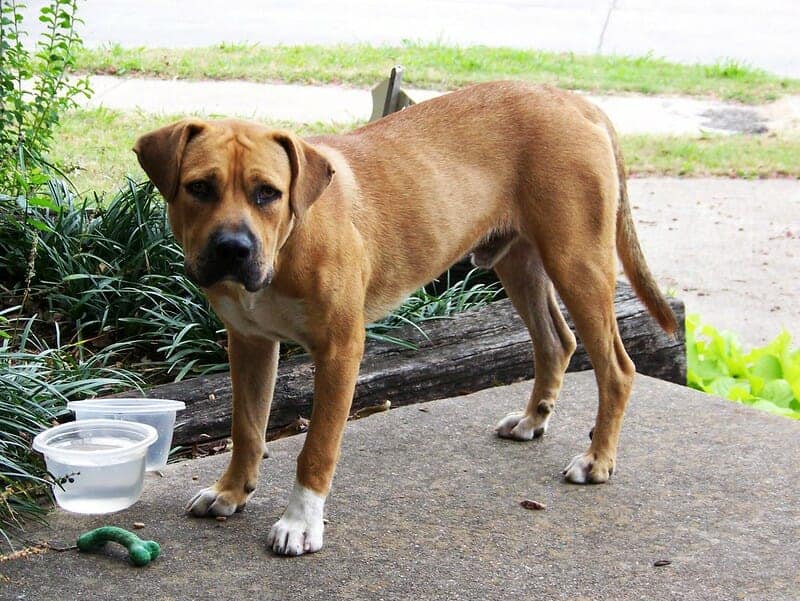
(457, 355)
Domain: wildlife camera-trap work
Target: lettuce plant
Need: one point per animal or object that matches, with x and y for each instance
(766, 377)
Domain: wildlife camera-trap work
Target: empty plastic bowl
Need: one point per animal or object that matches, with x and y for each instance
(159, 413)
(98, 463)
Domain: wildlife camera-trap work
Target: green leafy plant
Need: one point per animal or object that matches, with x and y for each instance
(424, 305)
(766, 377)
(34, 90)
(112, 278)
(38, 371)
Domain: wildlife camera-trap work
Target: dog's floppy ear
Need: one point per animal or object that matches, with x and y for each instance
(160, 153)
(311, 172)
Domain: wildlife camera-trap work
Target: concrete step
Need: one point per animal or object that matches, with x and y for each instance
(426, 506)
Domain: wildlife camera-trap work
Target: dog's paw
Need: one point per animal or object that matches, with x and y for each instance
(519, 426)
(300, 528)
(294, 537)
(588, 468)
(213, 502)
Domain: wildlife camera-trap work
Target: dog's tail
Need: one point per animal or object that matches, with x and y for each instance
(630, 252)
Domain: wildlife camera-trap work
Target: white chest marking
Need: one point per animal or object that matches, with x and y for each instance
(265, 314)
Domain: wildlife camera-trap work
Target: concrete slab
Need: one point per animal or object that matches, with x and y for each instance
(727, 247)
(232, 98)
(426, 506)
(631, 114)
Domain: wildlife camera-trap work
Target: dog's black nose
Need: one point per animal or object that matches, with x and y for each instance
(233, 247)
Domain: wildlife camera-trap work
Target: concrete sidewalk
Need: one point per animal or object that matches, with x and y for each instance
(426, 506)
(729, 248)
(630, 114)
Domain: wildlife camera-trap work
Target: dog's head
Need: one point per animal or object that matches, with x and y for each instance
(234, 192)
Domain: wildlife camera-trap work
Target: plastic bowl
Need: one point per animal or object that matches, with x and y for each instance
(159, 413)
(99, 463)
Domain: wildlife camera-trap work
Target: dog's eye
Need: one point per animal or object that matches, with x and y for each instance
(200, 189)
(266, 194)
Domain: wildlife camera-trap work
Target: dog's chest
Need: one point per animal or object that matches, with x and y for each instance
(263, 315)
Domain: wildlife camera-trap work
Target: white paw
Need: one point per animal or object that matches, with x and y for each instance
(519, 426)
(300, 528)
(586, 468)
(210, 501)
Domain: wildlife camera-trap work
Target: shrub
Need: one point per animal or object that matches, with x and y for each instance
(112, 278)
(35, 90)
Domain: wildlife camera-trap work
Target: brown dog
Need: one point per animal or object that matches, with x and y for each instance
(311, 239)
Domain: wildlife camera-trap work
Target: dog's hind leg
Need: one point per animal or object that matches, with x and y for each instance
(531, 291)
(579, 256)
(590, 300)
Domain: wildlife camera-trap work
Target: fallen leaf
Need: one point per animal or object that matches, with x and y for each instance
(365, 411)
(298, 426)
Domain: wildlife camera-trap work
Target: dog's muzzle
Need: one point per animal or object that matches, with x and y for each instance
(230, 255)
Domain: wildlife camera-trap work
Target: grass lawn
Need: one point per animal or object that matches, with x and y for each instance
(748, 156)
(440, 67)
(94, 147)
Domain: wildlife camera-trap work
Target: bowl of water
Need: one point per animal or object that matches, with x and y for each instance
(159, 413)
(98, 464)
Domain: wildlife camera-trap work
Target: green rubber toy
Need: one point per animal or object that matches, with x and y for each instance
(140, 551)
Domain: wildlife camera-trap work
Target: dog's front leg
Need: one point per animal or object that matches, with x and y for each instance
(254, 364)
(300, 528)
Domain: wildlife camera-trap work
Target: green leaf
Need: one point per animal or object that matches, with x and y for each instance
(771, 408)
(722, 386)
(740, 393)
(778, 392)
(768, 367)
(40, 225)
(77, 276)
(710, 369)
(756, 383)
(43, 202)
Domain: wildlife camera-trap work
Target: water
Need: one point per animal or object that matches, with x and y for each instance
(163, 422)
(97, 489)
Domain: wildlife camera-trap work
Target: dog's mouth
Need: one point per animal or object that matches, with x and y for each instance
(249, 275)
